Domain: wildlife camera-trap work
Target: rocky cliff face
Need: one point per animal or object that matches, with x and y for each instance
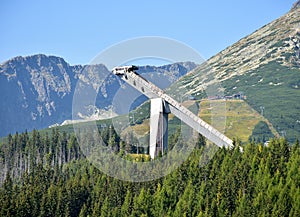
(37, 91)
(32, 91)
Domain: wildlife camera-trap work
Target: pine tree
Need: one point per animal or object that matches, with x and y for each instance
(127, 205)
(83, 211)
(142, 204)
(6, 197)
(105, 209)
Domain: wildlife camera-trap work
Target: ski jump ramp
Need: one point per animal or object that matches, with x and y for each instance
(161, 105)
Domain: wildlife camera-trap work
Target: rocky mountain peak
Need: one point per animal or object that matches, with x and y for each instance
(265, 66)
(296, 5)
(38, 90)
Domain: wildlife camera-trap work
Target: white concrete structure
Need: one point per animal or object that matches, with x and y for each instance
(161, 105)
(158, 127)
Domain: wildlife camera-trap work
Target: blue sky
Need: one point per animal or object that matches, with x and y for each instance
(79, 30)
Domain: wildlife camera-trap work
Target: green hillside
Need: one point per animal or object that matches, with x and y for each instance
(240, 119)
(275, 89)
(265, 66)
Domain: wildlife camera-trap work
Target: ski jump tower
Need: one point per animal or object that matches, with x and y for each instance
(161, 105)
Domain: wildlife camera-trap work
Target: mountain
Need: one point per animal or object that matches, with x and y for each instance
(296, 5)
(47, 174)
(265, 66)
(37, 91)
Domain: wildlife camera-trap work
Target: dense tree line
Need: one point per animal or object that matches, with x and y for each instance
(58, 181)
(23, 152)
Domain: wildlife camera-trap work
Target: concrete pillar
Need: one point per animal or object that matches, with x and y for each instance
(158, 127)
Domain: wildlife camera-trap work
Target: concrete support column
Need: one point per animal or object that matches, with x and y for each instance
(158, 128)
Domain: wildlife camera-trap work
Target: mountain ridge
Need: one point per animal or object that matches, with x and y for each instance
(264, 66)
(37, 90)
(295, 5)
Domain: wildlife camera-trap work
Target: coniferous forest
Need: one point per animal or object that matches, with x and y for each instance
(47, 175)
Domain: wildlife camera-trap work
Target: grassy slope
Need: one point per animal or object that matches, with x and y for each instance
(276, 88)
(240, 118)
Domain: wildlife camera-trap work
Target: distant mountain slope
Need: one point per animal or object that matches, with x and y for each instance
(37, 91)
(265, 66)
(296, 5)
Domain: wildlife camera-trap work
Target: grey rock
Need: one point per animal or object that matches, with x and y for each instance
(37, 91)
(296, 5)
